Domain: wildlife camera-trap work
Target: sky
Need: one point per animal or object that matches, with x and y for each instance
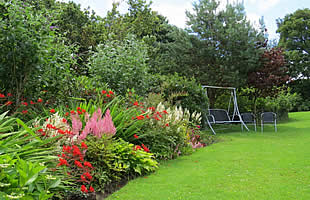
(174, 10)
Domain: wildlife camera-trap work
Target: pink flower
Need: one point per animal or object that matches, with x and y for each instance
(76, 124)
(108, 126)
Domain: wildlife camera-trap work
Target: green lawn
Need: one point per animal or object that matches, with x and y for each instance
(248, 165)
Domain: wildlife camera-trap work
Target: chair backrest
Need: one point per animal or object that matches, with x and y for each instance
(268, 116)
(247, 117)
(219, 115)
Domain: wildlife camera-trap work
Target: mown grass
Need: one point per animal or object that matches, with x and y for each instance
(244, 165)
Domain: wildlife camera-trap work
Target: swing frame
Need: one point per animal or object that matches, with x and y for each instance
(212, 118)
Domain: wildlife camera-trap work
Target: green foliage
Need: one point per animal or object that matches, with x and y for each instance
(301, 87)
(122, 65)
(182, 91)
(115, 160)
(282, 103)
(294, 31)
(25, 180)
(228, 43)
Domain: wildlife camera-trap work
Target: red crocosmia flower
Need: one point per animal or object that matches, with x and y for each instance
(140, 117)
(79, 112)
(76, 152)
(148, 116)
(108, 95)
(31, 102)
(91, 189)
(136, 136)
(2, 95)
(103, 92)
(88, 176)
(138, 147)
(157, 118)
(66, 149)
(64, 120)
(9, 94)
(52, 111)
(40, 100)
(8, 103)
(136, 103)
(62, 162)
(145, 148)
(72, 112)
(111, 92)
(165, 111)
(83, 110)
(40, 130)
(84, 189)
(83, 145)
(167, 124)
(67, 114)
(78, 164)
(133, 118)
(83, 178)
(25, 111)
(87, 164)
(25, 103)
(61, 131)
(79, 108)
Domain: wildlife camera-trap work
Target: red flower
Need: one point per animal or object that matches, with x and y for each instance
(9, 94)
(62, 162)
(145, 148)
(167, 125)
(79, 108)
(8, 103)
(157, 118)
(40, 100)
(66, 149)
(136, 136)
(87, 164)
(61, 131)
(83, 145)
(40, 130)
(140, 117)
(67, 114)
(2, 95)
(76, 151)
(138, 147)
(91, 189)
(83, 110)
(83, 178)
(31, 102)
(25, 103)
(108, 95)
(64, 120)
(52, 111)
(165, 111)
(103, 92)
(25, 111)
(78, 164)
(88, 176)
(133, 118)
(72, 112)
(79, 112)
(136, 103)
(111, 92)
(84, 189)
(148, 116)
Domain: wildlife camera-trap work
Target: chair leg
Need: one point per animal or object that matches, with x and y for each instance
(262, 127)
(275, 126)
(255, 127)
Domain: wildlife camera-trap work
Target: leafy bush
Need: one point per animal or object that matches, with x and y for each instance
(122, 65)
(282, 103)
(115, 160)
(182, 91)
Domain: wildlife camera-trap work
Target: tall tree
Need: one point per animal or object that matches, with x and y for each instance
(228, 42)
(294, 32)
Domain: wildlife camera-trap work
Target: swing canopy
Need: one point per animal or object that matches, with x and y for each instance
(221, 116)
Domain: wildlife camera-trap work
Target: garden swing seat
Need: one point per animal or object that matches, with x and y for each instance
(221, 116)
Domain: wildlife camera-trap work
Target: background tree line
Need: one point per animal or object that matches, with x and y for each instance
(54, 46)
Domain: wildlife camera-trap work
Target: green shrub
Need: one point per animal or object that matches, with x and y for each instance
(115, 160)
(122, 65)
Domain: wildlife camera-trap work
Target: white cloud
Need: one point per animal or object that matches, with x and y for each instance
(174, 13)
(263, 5)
